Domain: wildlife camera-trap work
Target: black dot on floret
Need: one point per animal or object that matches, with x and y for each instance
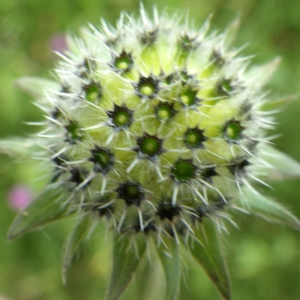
(178, 228)
(166, 210)
(207, 174)
(104, 211)
(123, 63)
(74, 132)
(86, 68)
(251, 145)
(219, 204)
(120, 117)
(56, 113)
(194, 138)
(65, 88)
(149, 145)
(203, 210)
(245, 109)
(148, 37)
(147, 87)
(170, 79)
(92, 92)
(183, 170)
(238, 167)
(56, 175)
(113, 41)
(77, 176)
(102, 158)
(186, 77)
(218, 58)
(200, 212)
(131, 192)
(64, 93)
(149, 225)
(225, 87)
(187, 43)
(181, 76)
(59, 167)
(59, 161)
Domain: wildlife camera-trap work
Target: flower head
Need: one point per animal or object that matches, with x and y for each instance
(19, 197)
(159, 131)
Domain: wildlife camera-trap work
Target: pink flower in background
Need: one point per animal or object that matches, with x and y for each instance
(19, 197)
(58, 43)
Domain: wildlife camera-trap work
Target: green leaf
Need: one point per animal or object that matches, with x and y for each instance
(268, 209)
(126, 259)
(36, 87)
(171, 263)
(208, 253)
(282, 165)
(79, 234)
(48, 207)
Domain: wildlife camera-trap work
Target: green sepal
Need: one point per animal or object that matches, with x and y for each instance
(80, 233)
(170, 259)
(282, 166)
(128, 251)
(269, 210)
(47, 207)
(278, 103)
(36, 87)
(207, 251)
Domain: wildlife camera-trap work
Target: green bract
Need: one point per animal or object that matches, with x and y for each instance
(159, 131)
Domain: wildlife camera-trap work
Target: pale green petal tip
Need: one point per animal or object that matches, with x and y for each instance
(17, 147)
(263, 73)
(278, 103)
(36, 87)
(232, 31)
(268, 209)
(281, 165)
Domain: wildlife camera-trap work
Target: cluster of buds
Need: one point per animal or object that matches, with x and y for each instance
(159, 131)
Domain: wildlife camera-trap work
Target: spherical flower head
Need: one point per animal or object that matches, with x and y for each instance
(158, 130)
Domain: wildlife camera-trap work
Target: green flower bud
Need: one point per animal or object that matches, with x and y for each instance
(159, 131)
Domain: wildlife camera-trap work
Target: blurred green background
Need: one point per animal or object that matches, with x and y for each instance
(264, 259)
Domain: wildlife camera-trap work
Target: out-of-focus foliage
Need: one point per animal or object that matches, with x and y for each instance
(263, 258)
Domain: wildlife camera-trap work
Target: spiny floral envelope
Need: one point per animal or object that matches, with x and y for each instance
(159, 131)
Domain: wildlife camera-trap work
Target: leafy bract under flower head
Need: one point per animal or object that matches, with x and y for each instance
(159, 130)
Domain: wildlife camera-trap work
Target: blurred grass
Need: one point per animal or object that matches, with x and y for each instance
(264, 259)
